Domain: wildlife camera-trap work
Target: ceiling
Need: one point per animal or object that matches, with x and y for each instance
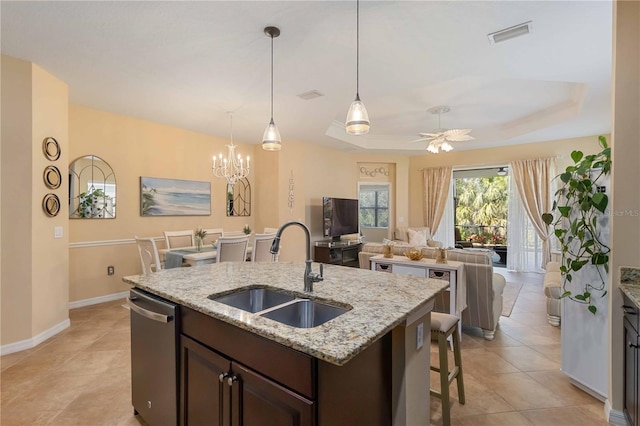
(187, 64)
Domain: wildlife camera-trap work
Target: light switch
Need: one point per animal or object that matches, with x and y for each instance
(401, 219)
(57, 232)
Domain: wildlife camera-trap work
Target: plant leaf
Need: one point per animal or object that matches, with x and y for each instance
(576, 156)
(547, 218)
(592, 309)
(566, 294)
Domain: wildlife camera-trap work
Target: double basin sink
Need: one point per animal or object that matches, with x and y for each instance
(282, 307)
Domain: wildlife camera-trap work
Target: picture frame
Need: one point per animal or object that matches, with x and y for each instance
(174, 197)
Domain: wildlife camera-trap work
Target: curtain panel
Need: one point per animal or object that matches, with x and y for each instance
(533, 182)
(437, 182)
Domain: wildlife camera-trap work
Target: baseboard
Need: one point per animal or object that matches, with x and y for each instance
(594, 393)
(614, 417)
(99, 299)
(35, 340)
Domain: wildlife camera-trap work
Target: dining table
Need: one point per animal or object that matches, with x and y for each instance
(175, 257)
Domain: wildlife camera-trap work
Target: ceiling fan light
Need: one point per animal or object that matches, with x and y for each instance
(446, 146)
(271, 139)
(432, 148)
(357, 122)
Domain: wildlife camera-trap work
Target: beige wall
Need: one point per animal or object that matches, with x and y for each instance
(34, 265)
(135, 148)
(490, 157)
(625, 222)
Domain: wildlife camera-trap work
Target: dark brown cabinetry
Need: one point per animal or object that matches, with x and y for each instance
(218, 391)
(230, 376)
(631, 361)
(343, 254)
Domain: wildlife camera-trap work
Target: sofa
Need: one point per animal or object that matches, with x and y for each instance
(484, 287)
(553, 291)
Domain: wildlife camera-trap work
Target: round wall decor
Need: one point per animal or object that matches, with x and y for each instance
(51, 205)
(51, 148)
(52, 177)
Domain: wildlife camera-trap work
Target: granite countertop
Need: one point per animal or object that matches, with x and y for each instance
(630, 283)
(380, 301)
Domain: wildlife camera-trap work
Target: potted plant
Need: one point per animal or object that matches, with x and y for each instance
(580, 203)
(93, 203)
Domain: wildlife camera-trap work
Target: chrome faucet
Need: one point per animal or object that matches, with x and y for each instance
(309, 276)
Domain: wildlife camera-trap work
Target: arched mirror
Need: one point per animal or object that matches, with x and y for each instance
(239, 198)
(92, 189)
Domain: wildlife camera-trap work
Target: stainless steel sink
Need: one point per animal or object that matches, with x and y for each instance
(254, 299)
(304, 313)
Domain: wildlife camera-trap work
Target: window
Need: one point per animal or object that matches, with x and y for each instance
(374, 206)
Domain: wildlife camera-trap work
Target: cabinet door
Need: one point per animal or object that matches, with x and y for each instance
(631, 361)
(205, 399)
(258, 401)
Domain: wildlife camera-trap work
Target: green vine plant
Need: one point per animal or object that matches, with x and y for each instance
(578, 204)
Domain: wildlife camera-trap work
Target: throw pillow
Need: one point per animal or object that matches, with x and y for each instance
(417, 238)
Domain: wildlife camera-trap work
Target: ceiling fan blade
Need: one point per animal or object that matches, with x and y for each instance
(431, 135)
(418, 140)
(456, 132)
(460, 138)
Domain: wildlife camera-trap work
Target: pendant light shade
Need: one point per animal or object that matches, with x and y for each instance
(357, 122)
(271, 140)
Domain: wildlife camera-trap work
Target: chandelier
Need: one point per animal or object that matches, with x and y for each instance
(233, 167)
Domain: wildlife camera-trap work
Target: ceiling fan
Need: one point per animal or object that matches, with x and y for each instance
(441, 138)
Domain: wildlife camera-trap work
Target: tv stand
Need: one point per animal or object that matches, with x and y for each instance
(341, 253)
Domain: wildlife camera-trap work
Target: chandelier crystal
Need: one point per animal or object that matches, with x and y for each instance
(233, 167)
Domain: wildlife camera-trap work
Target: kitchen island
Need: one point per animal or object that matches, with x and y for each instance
(331, 374)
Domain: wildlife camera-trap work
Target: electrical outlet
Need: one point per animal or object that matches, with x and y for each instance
(111, 270)
(419, 335)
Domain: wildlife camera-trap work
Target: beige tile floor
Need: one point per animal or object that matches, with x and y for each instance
(82, 375)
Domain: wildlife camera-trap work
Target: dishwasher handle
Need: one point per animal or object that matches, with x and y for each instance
(147, 313)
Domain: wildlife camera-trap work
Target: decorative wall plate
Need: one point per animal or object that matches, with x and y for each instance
(51, 205)
(51, 148)
(52, 177)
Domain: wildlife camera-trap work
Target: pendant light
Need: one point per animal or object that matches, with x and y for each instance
(357, 122)
(271, 139)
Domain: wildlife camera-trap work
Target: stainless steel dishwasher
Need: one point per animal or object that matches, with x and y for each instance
(154, 358)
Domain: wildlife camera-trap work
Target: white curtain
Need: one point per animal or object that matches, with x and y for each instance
(525, 247)
(532, 178)
(445, 233)
(437, 185)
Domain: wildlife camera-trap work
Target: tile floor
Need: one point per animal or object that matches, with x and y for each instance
(82, 375)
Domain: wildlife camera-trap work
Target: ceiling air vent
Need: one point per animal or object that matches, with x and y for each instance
(511, 32)
(312, 94)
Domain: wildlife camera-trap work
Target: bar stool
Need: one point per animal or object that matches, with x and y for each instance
(443, 326)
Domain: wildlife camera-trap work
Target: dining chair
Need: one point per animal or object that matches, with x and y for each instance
(212, 236)
(148, 255)
(270, 230)
(175, 239)
(233, 233)
(232, 249)
(262, 248)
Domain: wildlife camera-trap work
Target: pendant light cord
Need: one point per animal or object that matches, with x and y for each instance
(358, 48)
(272, 77)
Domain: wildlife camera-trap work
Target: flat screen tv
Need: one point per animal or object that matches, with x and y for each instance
(340, 217)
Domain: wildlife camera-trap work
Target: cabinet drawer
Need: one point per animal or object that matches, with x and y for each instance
(440, 275)
(284, 365)
(409, 270)
(383, 268)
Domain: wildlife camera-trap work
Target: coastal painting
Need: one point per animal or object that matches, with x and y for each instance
(174, 197)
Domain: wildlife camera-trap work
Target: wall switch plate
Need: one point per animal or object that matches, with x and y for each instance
(111, 270)
(57, 232)
(419, 335)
